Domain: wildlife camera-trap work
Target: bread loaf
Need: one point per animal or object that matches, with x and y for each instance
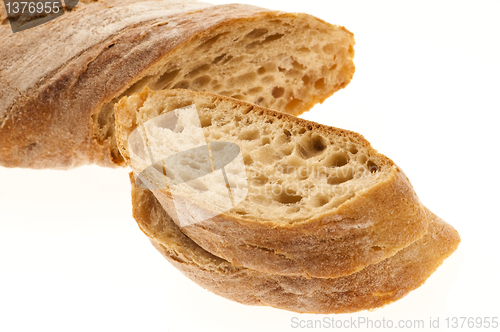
(372, 287)
(321, 202)
(60, 80)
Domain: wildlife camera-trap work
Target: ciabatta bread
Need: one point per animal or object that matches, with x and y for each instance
(60, 80)
(321, 202)
(372, 287)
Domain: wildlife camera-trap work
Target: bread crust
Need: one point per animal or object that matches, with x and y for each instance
(372, 287)
(85, 59)
(371, 226)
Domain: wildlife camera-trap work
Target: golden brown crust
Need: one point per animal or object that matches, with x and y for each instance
(371, 226)
(83, 60)
(372, 287)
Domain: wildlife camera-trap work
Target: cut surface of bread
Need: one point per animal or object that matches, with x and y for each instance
(319, 201)
(61, 114)
(372, 287)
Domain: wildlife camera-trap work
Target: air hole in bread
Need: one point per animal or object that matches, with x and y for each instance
(376, 248)
(336, 159)
(248, 109)
(201, 82)
(249, 134)
(329, 48)
(287, 150)
(304, 49)
(238, 96)
(247, 159)
(306, 79)
(104, 130)
(139, 85)
(285, 195)
(205, 121)
(181, 85)
(297, 65)
(333, 67)
(240, 212)
(320, 84)
(256, 33)
(320, 200)
(311, 146)
(261, 71)
(226, 59)
(198, 70)
(294, 73)
(318, 143)
(352, 149)
(226, 93)
(340, 176)
(272, 38)
(253, 45)
(218, 59)
(165, 79)
(246, 78)
(259, 180)
(295, 161)
(372, 167)
(278, 92)
(268, 79)
(255, 90)
(208, 43)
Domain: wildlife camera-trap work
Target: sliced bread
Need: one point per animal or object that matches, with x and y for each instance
(372, 287)
(318, 202)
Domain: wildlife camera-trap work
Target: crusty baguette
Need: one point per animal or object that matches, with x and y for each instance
(372, 287)
(340, 205)
(59, 80)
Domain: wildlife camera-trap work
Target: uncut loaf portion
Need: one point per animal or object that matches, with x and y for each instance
(318, 202)
(60, 80)
(370, 288)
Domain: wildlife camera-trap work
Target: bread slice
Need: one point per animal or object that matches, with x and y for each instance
(372, 287)
(319, 201)
(80, 64)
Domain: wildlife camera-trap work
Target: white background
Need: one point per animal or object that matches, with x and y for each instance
(425, 93)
